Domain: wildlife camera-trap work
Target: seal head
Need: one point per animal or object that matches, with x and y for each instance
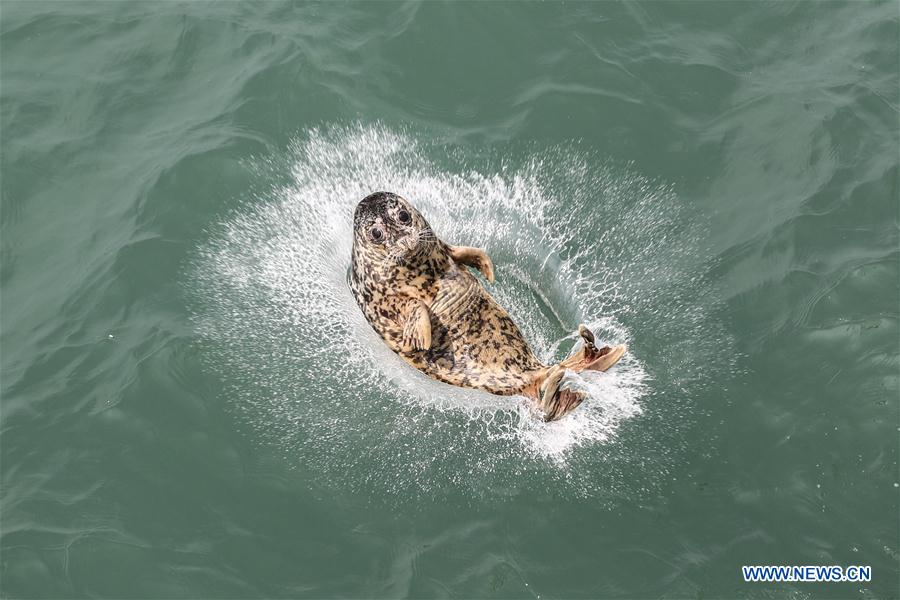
(387, 228)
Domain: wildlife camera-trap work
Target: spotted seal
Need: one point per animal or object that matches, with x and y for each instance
(418, 295)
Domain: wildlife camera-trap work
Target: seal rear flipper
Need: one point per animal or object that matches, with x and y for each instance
(592, 358)
(564, 402)
(607, 359)
(556, 402)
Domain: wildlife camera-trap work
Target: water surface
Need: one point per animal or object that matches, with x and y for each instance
(192, 405)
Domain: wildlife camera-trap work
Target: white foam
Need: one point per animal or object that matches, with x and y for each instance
(309, 374)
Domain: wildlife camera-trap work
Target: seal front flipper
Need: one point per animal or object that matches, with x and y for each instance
(475, 258)
(416, 327)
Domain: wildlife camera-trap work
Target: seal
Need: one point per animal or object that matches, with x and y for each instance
(420, 297)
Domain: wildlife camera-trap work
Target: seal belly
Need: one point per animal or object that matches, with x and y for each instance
(475, 343)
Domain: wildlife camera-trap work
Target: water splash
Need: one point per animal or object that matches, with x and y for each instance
(572, 240)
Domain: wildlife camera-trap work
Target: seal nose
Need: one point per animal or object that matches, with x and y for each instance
(408, 243)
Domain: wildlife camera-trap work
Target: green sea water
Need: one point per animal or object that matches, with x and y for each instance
(193, 406)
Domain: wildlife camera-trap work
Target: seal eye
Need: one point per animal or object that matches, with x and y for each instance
(376, 234)
(403, 216)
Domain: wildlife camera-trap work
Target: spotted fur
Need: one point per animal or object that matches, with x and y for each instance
(418, 295)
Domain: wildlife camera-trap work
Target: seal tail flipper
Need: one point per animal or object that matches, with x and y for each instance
(591, 358)
(546, 391)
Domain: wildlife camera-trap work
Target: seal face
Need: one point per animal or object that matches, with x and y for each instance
(419, 296)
